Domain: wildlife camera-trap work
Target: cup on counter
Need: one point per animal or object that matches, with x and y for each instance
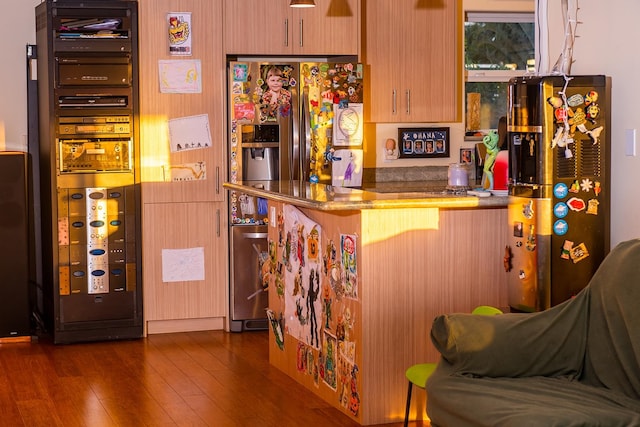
(457, 175)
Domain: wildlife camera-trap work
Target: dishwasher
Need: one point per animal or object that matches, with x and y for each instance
(248, 294)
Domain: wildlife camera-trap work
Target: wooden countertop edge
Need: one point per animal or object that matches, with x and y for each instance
(371, 200)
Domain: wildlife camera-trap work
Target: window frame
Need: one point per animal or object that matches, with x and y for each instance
(489, 75)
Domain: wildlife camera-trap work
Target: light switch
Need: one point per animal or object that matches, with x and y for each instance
(630, 142)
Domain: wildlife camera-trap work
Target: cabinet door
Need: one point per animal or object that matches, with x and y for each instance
(431, 71)
(257, 27)
(188, 175)
(383, 65)
(330, 28)
(413, 61)
(184, 226)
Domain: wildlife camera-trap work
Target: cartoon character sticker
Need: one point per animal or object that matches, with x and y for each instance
(179, 33)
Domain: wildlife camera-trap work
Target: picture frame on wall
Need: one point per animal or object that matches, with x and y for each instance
(423, 142)
(466, 156)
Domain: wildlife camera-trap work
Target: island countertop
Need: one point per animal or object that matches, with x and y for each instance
(325, 197)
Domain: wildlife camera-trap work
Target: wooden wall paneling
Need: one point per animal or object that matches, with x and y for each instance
(412, 272)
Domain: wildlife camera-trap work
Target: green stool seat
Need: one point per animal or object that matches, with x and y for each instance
(418, 374)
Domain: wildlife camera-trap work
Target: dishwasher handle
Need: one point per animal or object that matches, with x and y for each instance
(255, 235)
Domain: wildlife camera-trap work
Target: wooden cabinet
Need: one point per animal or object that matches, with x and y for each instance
(171, 306)
(413, 53)
(184, 204)
(159, 163)
(259, 27)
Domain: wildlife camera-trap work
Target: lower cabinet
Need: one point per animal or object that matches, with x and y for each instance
(184, 241)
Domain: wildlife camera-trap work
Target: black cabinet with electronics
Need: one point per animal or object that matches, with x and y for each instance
(89, 169)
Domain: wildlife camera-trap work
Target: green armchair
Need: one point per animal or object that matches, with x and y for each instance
(575, 364)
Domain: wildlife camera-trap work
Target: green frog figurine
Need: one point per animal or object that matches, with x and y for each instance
(491, 142)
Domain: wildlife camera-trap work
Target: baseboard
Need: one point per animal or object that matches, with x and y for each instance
(184, 325)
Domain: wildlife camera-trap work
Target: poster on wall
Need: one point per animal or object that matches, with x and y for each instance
(303, 305)
(179, 33)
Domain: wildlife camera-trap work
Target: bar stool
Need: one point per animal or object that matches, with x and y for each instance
(418, 374)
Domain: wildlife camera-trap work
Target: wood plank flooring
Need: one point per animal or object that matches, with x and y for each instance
(208, 378)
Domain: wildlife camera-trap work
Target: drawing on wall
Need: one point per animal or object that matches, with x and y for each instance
(180, 76)
(276, 325)
(189, 133)
(187, 172)
(328, 358)
(179, 33)
(349, 263)
(182, 265)
(303, 303)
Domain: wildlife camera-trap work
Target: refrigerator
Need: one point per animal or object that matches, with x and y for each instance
(559, 186)
(288, 120)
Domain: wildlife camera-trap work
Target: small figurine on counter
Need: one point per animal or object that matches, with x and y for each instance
(491, 142)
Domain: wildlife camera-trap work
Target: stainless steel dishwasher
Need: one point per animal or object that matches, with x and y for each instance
(248, 294)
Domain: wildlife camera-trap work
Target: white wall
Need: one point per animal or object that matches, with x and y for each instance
(607, 43)
(20, 16)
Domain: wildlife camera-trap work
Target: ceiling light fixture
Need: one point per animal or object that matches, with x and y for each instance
(302, 3)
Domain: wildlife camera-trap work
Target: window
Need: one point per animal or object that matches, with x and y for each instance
(497, 46)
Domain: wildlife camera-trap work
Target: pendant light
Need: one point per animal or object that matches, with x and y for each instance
(302, 3)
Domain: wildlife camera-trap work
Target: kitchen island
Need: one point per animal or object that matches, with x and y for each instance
(355, 278)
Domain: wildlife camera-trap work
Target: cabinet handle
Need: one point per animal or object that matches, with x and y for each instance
(408, 102)
(394, 99)
(301, 32)
(217, 179)
(286, 32)
(218, 222)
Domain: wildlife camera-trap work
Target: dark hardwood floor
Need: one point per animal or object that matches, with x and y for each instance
(208, 378)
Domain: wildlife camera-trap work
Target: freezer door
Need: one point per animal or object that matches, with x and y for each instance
(530, 240)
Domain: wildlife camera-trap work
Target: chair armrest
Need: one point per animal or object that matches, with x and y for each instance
(548, 343)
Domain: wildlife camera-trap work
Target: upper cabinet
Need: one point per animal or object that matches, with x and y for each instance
(412, 55)
(261, 27)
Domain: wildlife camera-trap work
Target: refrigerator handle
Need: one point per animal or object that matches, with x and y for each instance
(293, 160)
(305, 148)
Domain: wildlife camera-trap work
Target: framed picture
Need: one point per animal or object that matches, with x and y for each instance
(466, 156)
(423, 142)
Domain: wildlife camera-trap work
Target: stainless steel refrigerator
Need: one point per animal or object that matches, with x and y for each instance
(559, 186)
(281, 127)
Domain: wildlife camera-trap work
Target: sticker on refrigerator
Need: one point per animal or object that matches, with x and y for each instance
(560, 227)
(565, 253)
(560, 210)
(527, 210)
(578, 253)
(560, 190)
(240, 72)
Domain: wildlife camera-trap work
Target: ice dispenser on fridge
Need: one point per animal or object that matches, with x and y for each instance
(260, 152)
